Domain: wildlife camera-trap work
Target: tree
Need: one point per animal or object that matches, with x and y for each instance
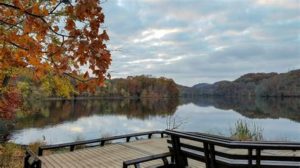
(61, 37)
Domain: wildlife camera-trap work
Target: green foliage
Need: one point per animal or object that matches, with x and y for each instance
(242, 131)
(48, 86)
(24, 87)
(56, 86)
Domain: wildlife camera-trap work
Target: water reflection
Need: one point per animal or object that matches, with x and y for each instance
(65, 121)
(254, 108)
(54, 112)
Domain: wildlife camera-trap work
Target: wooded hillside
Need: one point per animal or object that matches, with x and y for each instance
(250, 85)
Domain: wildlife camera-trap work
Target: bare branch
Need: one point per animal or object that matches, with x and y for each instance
(51, 12)
(79, 79)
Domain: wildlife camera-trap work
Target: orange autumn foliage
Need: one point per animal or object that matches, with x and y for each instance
(58, 36)
(61, 37)
(9, 102)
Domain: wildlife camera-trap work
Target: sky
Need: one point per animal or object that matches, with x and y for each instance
(202, 41)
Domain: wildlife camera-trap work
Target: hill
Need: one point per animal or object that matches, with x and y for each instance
(250, 85)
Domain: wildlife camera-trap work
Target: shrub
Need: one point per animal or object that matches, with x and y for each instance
(11, 155)
(243, 132)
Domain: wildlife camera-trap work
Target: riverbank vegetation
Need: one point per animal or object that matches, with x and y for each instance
(244, 131)
(131, 87)
(29, 92)
(12, 155)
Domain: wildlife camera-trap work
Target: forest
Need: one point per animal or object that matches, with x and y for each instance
(250, 85)
(52, 86)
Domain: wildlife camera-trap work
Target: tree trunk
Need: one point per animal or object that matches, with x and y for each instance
(5, 80)
(4, 83)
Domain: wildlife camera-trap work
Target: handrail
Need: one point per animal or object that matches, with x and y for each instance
(138, 161)
(207, 153)
(209, 135)
(98, 140)
(236, 144)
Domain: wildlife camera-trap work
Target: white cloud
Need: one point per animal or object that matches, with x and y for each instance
(209, 40)
(153, 60)
(153, 34)
(292, 4)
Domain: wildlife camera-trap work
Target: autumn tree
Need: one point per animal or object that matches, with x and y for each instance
(60, 37)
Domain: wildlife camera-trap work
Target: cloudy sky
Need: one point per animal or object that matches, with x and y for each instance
(195, 41)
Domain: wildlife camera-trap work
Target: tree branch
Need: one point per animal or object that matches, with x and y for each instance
(17, 8)
(51, 12)
(5, 80)
(16, 45)
(37, 16)
(11, 24)
(76, 78)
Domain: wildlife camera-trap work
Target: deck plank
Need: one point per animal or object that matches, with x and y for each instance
(110, 156)
(113, 155)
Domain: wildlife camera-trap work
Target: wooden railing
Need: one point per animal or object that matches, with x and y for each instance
(208, 153)
(100, 141)
(205, 149)
(31, 160)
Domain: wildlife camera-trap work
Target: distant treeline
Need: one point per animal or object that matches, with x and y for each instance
(139, 87)
(62, 87)
(250, 85)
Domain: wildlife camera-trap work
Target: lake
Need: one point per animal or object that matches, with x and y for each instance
(58, 121)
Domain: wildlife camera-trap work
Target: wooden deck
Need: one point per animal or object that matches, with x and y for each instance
(113, 155)
(110, 155)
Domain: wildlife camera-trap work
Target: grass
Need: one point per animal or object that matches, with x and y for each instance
(12, 155)
(244, 131)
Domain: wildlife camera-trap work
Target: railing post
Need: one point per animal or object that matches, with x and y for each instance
(125, 165)
(180, 160)
(206, 155)
(212, 155)
(250, 155)
(26, 158)
(128, 139)
(102, 143)
(137, 165)
(165, 160)
(40, 151)
(38, 164)
(258, 158)
(72, 148)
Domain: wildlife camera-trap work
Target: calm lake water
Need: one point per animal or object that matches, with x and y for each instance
(57, 121)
